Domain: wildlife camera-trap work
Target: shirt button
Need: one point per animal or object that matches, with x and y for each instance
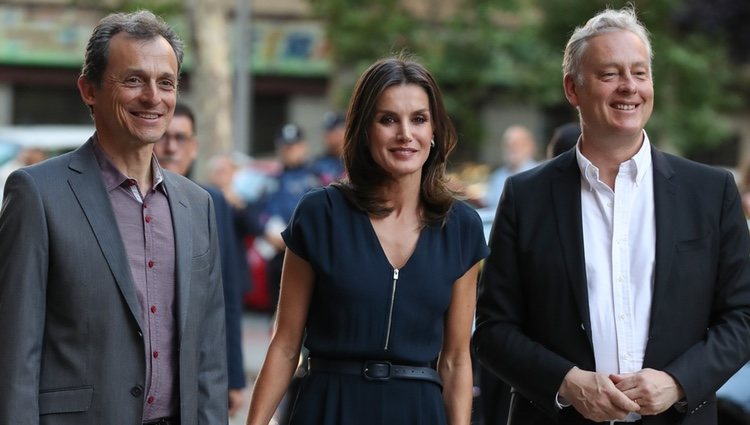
(153, 309)
(140, 334)
(150, 264)
(150, 399)
(148, 219)
(156, 354)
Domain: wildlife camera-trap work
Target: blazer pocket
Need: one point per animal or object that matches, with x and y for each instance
(694, 244)
(65, 400)
(201, 262)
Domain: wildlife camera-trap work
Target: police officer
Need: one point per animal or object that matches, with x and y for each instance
(330, 166)
(295, 179)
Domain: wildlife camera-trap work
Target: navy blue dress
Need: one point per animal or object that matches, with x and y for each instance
(350, 316)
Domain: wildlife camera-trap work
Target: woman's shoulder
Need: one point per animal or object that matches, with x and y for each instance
(463, 214)
(320, 197)
(322, 201)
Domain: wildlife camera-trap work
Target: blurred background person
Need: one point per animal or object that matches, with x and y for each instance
(563, 139)
(24, 158)
(494, 392)
(294, 180)
(743, 184)
(519, 148)
(222, 170)
(176, 152)
(330, 166)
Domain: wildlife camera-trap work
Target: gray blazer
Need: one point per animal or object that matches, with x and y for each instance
(72, 349)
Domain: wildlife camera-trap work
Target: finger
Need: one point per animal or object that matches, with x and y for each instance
(624, 382)
(622, 402)
(634, 393)
(616, 378)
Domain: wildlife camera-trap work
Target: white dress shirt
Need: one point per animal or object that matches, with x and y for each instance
(619, 240)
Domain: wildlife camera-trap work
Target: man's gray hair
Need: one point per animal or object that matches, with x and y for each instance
(606, 21)
(141, 25)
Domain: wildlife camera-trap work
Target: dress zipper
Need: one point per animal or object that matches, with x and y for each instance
(390, 310)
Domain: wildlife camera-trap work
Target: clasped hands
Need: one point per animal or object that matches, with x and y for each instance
(600, 398)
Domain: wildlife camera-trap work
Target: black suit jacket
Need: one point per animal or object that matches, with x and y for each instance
(235, 278)
(533, 318)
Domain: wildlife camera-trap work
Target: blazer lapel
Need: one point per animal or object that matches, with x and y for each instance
(665, 204)
(183, 244)
(86, 183)
(566, 198)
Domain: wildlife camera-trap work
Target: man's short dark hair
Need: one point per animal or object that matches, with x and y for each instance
(141, 25)
(182, 110)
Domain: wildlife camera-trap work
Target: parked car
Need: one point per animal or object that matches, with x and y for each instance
(25, 145)
(734, 399)
(52, 139)
(487, 214)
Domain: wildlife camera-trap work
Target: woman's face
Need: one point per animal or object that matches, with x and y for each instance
(401, 130)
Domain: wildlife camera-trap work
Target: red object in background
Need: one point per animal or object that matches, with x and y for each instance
(257, 298)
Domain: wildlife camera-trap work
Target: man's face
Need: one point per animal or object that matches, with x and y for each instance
(136, 100)
(518, 147)
(334, 139)
(177, 149)
(293, 154)
(616, 96)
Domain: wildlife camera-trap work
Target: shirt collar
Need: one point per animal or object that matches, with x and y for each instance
(114, 178)
(637, 166)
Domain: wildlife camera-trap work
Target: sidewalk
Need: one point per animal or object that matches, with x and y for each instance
(256, 334)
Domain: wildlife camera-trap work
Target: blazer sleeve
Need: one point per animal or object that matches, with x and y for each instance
(212, 362)
(707, 364)
(500, 342)
(23, 286)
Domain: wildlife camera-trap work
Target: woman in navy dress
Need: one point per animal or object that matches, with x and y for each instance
(380, 273)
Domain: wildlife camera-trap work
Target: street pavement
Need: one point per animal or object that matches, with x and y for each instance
(256, 334)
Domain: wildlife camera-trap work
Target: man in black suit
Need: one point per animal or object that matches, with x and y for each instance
(618, 284)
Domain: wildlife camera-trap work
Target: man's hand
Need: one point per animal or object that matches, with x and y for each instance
(595, 396)
(236, 400)
(655, 391)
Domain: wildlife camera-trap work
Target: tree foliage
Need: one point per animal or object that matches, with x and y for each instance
(512, 50)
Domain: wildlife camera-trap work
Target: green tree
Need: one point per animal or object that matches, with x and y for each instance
(512, 49)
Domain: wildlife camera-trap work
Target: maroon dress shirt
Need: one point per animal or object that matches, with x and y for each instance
(145, 224)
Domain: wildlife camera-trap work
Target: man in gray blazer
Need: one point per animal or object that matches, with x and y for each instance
(110, 284)
(618, 285)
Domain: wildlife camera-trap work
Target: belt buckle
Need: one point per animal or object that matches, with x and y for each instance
(376, 370)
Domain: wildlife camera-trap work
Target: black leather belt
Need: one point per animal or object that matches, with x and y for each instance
(375, 370)
(163, 421)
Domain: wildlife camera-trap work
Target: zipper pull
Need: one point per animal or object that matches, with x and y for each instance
(395, 274)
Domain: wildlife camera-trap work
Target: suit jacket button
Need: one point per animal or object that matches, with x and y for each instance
(136, 391)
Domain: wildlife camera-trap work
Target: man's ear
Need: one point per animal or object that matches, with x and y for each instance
(570, 87)
(87, 90)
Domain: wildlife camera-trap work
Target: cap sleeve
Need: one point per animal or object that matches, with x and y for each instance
(309, 228)
(473, 245)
